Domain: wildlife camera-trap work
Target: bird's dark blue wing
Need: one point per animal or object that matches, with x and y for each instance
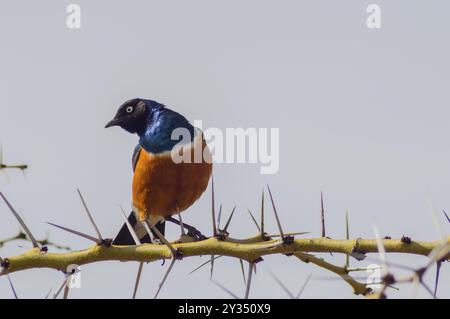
(136, 153)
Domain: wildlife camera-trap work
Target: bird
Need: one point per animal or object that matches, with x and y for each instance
(172, 166)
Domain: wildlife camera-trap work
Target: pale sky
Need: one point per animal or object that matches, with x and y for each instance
(363, 116)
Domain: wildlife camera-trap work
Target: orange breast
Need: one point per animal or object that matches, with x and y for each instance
(162, 187)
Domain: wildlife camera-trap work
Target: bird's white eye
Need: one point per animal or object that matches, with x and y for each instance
(129, 109)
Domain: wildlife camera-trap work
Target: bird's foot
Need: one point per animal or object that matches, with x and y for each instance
(156, 241)
(191, 230)
(194, 233)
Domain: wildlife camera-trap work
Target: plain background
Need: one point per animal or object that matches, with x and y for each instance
(363, 116)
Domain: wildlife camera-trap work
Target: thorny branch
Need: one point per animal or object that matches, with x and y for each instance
(250, 249)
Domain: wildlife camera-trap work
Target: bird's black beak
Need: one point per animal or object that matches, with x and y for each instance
(113, 122)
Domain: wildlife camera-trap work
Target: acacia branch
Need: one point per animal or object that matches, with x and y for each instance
(358, 287)
(248, 249)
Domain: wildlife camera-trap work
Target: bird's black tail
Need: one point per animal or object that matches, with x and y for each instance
(124, 236)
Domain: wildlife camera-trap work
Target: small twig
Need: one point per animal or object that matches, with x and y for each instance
(43, 242)
(358, 288)
(21, 167)
(3, 166)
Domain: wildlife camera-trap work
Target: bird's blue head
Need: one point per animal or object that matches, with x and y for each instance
(152, 121)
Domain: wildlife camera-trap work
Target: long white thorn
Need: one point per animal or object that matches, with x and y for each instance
(138, 278)
(281, 284)
(229, 219)
(347, 236)
(243, 271)
(262, 228)
(161, 237)
(212, 267)
(60, 288)
(225, 289)
(172, 263)
(254, 220)
(90, 216)
(12, 287)
(249, 279)
(275, 212)
(213, 209)
(436, 279)
(203, 264)
(75, 232)
(21, 222)
(381, 249)
(304, 286)
(66, 290)
(130, 228)
(436, 222)
(48, 293)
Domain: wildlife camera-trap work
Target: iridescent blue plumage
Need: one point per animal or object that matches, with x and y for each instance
(161, 122)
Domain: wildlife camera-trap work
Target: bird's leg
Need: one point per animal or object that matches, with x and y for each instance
(181, 225)
(191, 230)
(176, 254)
(151, 233)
